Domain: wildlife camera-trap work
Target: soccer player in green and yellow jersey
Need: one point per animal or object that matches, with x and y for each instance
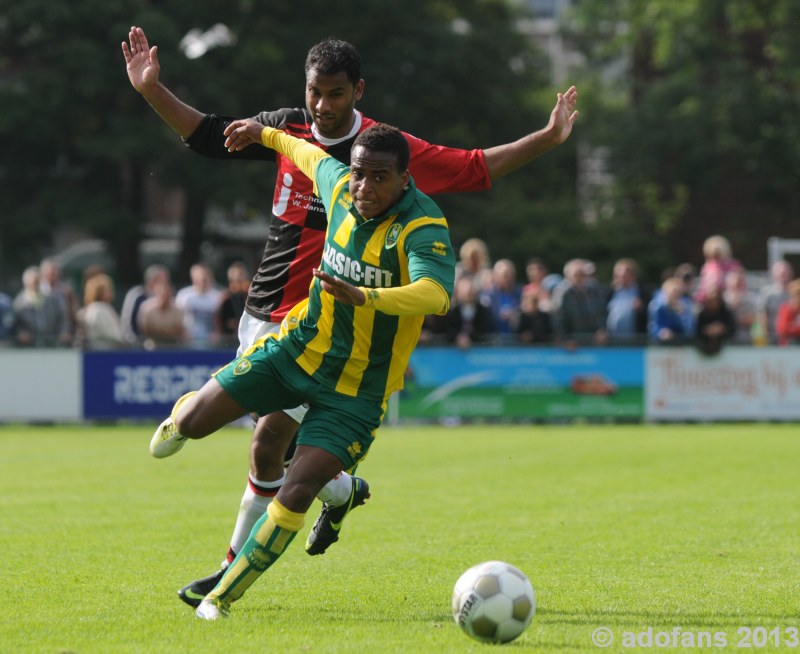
(387, 262)
(330, 120)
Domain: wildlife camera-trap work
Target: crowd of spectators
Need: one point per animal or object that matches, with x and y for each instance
(491, 305)
(571, 308)
(47, 312)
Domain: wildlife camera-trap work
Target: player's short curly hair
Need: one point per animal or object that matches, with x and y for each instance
(385, 138)
(331, 56)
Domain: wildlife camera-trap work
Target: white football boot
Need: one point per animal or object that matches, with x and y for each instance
(166, 441)
(212, 609)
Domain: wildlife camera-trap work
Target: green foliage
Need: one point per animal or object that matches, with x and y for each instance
(623, 526)
(451, 72)
(693, 102)
(696, 100)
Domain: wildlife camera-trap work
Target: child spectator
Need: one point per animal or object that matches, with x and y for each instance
(715, 323)
(672, 315)
(534, 324)
(718, 263)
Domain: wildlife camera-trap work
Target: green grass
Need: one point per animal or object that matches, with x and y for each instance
(626, 527)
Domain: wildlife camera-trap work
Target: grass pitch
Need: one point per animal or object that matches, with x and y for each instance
(624, 527)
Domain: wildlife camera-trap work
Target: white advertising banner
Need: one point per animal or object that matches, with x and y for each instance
(41, 385)
(741, 383)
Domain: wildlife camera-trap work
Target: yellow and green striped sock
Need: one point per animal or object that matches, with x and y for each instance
(269, 538)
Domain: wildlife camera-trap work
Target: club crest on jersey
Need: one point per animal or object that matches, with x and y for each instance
(392, 235)
(242, 366)
(439, 248)
(345, 201)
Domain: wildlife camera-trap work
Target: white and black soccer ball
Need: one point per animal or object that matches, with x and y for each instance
(493, 602)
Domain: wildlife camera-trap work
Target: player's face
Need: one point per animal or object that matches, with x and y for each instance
(375, 182)
(331, 100)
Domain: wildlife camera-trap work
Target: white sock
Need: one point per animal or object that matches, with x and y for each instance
(255, 501)
(337, 491)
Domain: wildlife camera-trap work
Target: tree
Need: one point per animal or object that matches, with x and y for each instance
(457, 73)
(78, 143)
(695, 103)
(82, 149)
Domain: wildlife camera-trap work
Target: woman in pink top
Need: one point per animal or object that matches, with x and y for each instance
(718, 263)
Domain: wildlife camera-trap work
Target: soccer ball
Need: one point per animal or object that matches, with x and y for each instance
(493, 602)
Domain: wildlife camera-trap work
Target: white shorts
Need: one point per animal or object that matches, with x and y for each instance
(250, 330)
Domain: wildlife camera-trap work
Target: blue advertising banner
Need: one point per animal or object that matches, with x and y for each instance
(144, 384)
(514, 382)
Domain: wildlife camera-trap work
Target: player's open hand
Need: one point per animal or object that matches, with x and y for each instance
(141, 60)
(340, 289)
(241, 133)
(564, 114)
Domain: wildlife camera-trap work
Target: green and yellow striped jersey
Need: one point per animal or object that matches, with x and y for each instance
(357, 350)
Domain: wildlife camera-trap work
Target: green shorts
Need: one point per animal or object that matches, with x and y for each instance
(267, 379)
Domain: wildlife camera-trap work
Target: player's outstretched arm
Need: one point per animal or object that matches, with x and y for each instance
(143, 68)
(503, 159)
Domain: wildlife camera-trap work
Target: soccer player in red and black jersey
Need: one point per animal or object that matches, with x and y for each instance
(296, 233)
